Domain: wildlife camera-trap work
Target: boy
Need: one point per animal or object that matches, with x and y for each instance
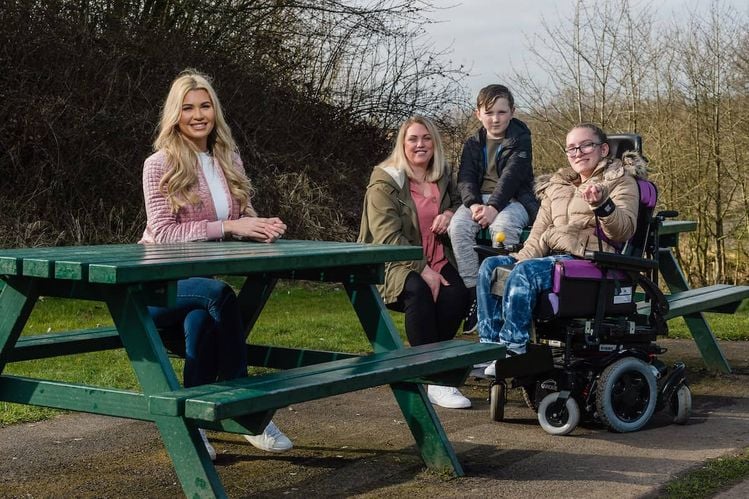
(495, 181)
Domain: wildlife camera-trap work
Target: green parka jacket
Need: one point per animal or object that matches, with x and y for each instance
(389, 217)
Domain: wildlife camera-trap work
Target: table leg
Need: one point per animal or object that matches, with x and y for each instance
(17, 300)
(252, 298)
(698, 326)
(431, 439)
(155, 374)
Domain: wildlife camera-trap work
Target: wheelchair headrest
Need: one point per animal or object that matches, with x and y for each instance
(619, 143)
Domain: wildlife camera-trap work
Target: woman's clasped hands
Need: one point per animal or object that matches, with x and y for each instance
(264, 230)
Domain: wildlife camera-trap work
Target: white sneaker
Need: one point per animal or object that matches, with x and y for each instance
(208, 446)
(491, 370)
(271, 439)
(447, 396)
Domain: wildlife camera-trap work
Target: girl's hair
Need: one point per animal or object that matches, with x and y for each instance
(182, 154)
(600, 134)
(437, 166)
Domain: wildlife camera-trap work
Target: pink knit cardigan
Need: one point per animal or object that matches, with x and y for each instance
(192, 222)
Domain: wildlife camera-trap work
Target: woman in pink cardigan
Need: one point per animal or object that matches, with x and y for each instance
(196, 189)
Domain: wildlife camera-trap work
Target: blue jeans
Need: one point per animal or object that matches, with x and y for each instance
(507, 319)
(207, 321)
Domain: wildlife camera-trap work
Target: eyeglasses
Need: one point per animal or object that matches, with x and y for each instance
(583, 148)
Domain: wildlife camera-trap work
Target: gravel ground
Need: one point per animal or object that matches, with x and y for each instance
(358, 445)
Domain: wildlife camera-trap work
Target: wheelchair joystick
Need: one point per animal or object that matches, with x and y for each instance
(499, 239)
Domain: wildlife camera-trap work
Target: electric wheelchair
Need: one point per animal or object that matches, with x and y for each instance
(592, 355)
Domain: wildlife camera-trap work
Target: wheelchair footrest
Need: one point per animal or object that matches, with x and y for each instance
(536, 360)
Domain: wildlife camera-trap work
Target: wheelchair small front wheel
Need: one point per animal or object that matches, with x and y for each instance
(681, 404)
(497, 400)
(558, 417)
(627, 395)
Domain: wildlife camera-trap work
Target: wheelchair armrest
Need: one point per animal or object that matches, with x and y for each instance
(485, 251)
(621, 262)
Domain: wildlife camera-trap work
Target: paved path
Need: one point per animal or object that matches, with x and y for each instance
(357, 445)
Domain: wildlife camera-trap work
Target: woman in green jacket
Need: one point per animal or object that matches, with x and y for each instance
(409, 201)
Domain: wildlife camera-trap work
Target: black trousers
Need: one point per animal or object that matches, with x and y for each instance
(428, 321)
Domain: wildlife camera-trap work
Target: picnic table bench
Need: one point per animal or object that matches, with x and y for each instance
(130, 277)
(690, 303)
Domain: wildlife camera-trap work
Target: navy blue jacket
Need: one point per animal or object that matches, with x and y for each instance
(514, 168)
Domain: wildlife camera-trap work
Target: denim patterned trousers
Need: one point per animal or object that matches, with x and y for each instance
(507, 319)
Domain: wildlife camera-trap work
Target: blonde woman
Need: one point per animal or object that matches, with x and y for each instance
(410, 201)
(195, 189)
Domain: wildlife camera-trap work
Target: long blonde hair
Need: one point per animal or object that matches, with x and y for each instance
(182, 155)
(437, 166)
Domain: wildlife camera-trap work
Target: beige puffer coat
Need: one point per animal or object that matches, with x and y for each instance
(566, 223)
(389, 217)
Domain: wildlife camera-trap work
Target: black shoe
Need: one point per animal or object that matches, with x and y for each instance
(471, 320)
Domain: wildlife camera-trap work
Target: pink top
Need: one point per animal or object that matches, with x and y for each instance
(192, 222)
(427, 209)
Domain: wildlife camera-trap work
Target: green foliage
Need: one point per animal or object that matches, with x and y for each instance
(82, 94)
(715, 475)
(83, 82)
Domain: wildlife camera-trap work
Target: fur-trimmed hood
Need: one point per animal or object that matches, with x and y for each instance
(631, 163)
(569, 224)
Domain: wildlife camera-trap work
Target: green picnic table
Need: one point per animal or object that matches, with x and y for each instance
(130, 277)
(690, 303)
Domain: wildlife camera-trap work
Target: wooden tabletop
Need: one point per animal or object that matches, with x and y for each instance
(128, 263)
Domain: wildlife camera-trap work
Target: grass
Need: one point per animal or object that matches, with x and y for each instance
(726, 327)
(715, 475)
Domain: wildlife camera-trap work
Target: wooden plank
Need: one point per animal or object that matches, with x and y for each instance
(669, 231)
(74, 397)
(706, 299)
(172, 403)
(40, 346)
(352, 374)
(169, 261)
(285, 259)
(77, 268)
(677, 227)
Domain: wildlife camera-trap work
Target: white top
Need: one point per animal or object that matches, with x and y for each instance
(216, 186)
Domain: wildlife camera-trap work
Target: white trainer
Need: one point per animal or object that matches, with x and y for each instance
(447, 396)
(208, 446)
(271, 439)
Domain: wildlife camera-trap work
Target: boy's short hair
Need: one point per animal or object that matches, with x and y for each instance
(489, 95)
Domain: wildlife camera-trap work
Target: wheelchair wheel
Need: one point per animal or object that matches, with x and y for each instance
(497, 400)
(681, 404)
(626, 395)
(557, 418)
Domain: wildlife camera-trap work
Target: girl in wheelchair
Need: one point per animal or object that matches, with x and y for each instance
(591, 206)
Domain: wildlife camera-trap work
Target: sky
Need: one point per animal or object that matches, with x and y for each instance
(492, 36)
